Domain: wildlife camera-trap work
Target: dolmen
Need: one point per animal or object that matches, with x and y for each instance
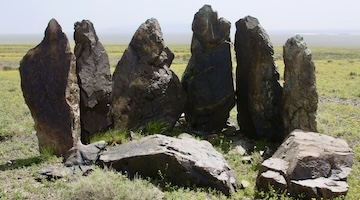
(207, 79)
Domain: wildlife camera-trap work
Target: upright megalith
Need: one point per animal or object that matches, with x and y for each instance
(259, 94)
(300, 94)
(144, 87)
(207, 79)
(93, 70)
(50, 89)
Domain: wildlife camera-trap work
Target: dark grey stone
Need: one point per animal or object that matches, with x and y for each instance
(183, 162)
(311, 163)
(93, 70)
(207, 79)
(144, 87)
(259, 94)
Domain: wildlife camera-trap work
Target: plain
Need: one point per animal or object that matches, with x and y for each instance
(338, 81)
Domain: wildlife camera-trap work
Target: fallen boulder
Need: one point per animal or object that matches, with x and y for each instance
(93, 70)
(310, 164)
(300, 94)
(258, 91)
(78, 160)
(183, 162)
(144, 87)
(51, 91)
(207, 79)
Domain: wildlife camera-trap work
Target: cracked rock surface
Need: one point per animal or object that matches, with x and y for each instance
(207, 79)
(311, 163)
(181, 161)
(300, 94)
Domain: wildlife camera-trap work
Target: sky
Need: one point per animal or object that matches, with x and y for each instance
(125, 16)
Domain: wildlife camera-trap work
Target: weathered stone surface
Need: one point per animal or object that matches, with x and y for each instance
(78, 160)
(144, 87)
(93, 70)
(259, 94)
(207, 79)
(85, 154)
(300, 94)
(50, 89)
(61, 172)
(313, 163)
(182, 161)
(275, 179)
(319, 188)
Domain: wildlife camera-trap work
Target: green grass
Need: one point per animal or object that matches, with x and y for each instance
(338, 77)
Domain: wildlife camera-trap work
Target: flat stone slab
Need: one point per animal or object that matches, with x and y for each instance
(182, 161)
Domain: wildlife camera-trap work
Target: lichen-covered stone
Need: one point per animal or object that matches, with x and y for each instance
(300, 94)
(259, 94)
(50, 88)
(207, 79)
(93, 70)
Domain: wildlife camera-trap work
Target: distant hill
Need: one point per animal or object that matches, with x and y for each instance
(173, 36)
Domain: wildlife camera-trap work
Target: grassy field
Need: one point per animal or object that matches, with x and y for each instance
(338, 81)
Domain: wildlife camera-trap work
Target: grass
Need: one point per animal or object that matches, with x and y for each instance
(338, 78)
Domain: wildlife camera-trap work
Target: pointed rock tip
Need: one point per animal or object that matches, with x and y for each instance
(250, 21)
(52, 30)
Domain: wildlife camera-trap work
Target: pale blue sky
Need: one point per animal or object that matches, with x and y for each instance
(32, 16)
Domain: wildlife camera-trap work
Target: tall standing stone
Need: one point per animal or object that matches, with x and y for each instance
(50, 89)
(259, 94)
(144, 87)
(207, 79)
(93, 70)
(300, 94)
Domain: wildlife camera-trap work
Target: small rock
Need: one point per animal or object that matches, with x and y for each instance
(244, 184)
(246, 159)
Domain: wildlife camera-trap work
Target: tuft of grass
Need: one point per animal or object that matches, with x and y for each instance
(155, 127)
(112, 137)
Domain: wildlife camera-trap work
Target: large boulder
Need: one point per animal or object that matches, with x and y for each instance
(184, 162)
(93, 70)
(300, 94)
(144, 87)
(259, 94)
(310, 164)
(50, 88)
(207, 79)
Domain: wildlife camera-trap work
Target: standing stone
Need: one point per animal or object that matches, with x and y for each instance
(207, 79)
(258, 91)
(300, 94)
(144, 87)
(50, 89)
(93, 70)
